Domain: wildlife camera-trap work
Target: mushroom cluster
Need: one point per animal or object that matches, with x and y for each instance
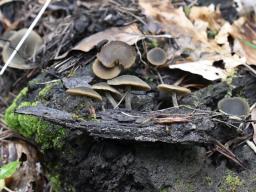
(27, 50)
(113, 58)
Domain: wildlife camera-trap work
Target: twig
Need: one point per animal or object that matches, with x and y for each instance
(251, 145)
(121, 100)
(31, 27)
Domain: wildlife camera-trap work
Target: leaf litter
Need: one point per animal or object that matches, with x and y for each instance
(192, 33)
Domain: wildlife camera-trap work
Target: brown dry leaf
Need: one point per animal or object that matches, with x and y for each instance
(206, 69)
(129, 34)
(253, 118)
(191, 35)
(244, 30)
(212, 18)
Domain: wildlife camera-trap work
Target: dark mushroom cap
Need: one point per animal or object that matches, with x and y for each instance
(84, 91)
(27, 50)
(117, 52)
(157, 56)
(105, 73)
(130, 80)
(173, 89)
(103, 86)
(5, 37)
(236, 106)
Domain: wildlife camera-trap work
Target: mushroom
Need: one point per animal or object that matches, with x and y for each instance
(103, 72)
(5, 37)
(27, 50)
(117, 53)
(129, 81)
(173, 90)
(107, 89)
(235, 106)
(157, 56)
(84, 91)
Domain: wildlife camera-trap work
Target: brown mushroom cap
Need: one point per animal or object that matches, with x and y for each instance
(157, 56)
(117, 52)
(105, 87)
(27, 50)
(236, 106)
(84, 91)
(105, 73)
(173, 89)
(130, 80)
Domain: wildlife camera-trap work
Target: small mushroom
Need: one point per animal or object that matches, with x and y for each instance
(117, 53)
(103, 72)
(84, 91)
(129, 81)
(27, 50)
(235, 106)
(173, 90)
(157, 56)
(107, 89)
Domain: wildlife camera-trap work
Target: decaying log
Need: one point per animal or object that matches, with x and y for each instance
(184, 126)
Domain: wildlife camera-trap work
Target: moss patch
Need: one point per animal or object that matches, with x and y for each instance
(10, 117)
(43, 93)
(44, 133)
(231, 183)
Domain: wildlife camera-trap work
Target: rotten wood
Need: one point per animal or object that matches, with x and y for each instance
(196, 127)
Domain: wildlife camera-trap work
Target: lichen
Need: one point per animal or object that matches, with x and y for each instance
(231, 183)
(46, 134)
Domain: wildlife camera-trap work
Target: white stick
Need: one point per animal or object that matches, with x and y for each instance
(31, 27)
(251, 145)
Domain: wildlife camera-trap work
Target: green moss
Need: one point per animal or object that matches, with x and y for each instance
(10, 117)
(153, 43)
(42, 94)
(55, 183)
(46, 134)
(231, 183)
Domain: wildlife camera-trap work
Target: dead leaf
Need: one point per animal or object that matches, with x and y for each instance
(129, 34)
(192, 36)
(207, 70)
(244, 30)
(253, 118)
(209, 15)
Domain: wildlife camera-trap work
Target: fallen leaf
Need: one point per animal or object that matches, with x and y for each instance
(191, 35)
(244, 30)
(206, 68)
(129, 34)
(209, 15)
(253, 118)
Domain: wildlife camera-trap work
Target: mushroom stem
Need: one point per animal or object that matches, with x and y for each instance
(174, 100)
(111, 100)
(128, 99)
